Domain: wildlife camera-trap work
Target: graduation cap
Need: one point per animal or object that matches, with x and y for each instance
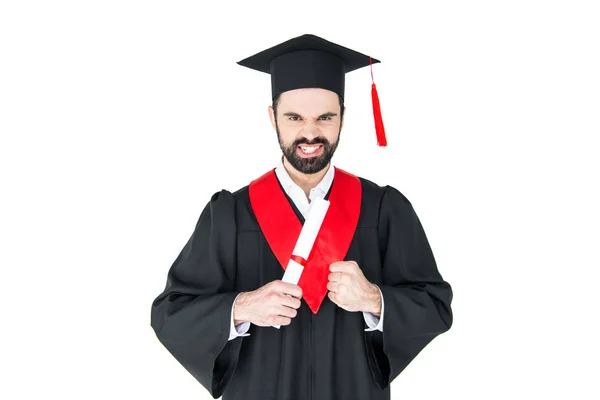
(309, 61)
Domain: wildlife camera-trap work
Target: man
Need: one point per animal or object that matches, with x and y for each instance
(370, 297)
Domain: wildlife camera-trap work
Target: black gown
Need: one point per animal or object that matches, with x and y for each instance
(317, 357)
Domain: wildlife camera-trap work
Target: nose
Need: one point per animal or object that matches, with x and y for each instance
(310, 131)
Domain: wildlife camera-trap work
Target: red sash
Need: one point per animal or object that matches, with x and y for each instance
(281, 227)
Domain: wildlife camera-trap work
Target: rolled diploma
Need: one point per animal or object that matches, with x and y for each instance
(314, 219)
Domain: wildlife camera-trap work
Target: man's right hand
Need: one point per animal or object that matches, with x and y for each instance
(272, 304)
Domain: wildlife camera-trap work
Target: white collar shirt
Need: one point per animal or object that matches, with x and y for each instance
(297, 194)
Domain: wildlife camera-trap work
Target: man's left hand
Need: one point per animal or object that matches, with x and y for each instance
(350, 290)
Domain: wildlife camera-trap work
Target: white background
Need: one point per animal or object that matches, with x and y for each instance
(119, 120)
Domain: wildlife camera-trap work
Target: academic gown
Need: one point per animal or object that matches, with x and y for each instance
(322, 356)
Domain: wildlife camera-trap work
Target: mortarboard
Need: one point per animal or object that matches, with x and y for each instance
(309, 61)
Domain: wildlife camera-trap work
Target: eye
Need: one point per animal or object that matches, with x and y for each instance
(325, 118)
(294, 118)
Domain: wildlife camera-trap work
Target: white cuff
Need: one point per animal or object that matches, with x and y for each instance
(241, 329)
(373, 322)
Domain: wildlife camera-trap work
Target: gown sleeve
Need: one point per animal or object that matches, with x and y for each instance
(417, 299)
(192, 316)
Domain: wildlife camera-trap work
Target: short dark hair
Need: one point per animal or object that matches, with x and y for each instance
(276, 103)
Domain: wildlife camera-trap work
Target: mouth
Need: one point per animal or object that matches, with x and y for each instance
(307, 151)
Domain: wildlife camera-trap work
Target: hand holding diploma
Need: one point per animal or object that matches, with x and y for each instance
(316, 214)
(275, 303)
(272, 304)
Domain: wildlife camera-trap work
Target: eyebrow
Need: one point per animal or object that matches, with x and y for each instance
(293, 114)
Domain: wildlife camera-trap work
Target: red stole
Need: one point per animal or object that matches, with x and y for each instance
(281, 227)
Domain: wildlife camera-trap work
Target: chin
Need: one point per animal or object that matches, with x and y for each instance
(311, 167)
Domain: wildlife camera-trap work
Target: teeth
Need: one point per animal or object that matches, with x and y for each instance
(309, 150)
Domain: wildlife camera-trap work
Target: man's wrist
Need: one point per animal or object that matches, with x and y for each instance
(373, 305)
(238, 309)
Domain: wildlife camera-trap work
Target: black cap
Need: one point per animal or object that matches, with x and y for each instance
(307, 61)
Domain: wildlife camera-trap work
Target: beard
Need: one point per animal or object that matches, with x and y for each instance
(310, 165)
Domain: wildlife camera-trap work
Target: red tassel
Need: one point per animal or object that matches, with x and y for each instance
(379, 129)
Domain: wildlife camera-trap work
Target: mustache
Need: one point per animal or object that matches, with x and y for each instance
(314, 141)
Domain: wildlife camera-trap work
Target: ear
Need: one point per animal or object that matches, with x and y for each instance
(272, 117)
(343, 118)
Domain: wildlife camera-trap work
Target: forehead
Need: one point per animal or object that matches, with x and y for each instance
(308, 100)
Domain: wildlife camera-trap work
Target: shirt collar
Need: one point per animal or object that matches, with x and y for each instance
(286, 180)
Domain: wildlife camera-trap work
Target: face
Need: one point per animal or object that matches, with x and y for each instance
(308, 125)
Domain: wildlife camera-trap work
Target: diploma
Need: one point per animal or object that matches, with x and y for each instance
(304, 244)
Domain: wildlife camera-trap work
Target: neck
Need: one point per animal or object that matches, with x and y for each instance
(305, 181)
